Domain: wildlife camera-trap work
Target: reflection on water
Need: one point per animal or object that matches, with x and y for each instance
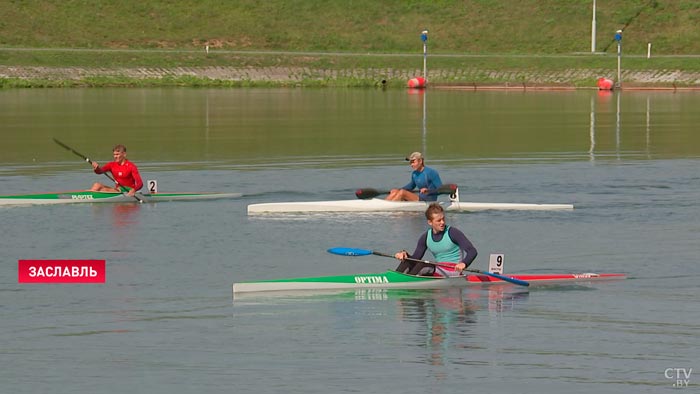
(603, 98)
(448, 298)
(422, 96)
(442, 318)
(120, 221)
(505, 299)
(245, 128)
(648, 126)
(592, 128)
(617, 126)
(123, 215)
(447, 317)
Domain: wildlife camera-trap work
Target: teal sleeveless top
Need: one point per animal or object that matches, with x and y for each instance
(445, 250)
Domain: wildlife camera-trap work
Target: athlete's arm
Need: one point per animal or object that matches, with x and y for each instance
(434, 180)
(138, 183)
(421, 247)
(104, 168)
(465, 245)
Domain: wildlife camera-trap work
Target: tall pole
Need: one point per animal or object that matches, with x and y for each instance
(618, 38)
(593, 30)
(424, 37)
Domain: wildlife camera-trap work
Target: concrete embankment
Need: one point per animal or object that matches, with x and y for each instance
(465, 77)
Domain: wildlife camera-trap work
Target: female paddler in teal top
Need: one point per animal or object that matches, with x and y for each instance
(446, 243)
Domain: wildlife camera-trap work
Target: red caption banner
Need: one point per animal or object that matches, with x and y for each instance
(61, 271)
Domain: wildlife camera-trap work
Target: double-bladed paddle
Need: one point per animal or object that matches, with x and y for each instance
(368, 192)
(87, 159)
(364, 252)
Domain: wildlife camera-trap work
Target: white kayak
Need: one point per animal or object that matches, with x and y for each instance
(381, 205)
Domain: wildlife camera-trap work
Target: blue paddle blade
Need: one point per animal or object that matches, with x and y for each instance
(511, 280)
(350, 251)
(501, 277)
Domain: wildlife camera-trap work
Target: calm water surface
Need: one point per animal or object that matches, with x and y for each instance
(165, 320)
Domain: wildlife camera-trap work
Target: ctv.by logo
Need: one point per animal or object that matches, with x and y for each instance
(680, 375)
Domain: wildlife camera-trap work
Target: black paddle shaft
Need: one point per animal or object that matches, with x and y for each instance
(502, 277)
(73, 150)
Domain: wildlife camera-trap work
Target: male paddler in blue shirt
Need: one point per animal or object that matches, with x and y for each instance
(425, 179)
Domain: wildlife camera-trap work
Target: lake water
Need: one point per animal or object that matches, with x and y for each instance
(165, 320)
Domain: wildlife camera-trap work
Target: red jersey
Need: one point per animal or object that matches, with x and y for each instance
(125, 174)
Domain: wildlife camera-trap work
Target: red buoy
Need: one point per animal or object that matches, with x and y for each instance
(605, 84)
(416, 83)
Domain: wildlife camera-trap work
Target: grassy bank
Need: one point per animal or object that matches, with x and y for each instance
(507, 40)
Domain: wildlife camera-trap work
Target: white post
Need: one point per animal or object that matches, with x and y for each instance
(424, 37)
(593, 30)
(648, 50)
(619, 58)
(618, 38)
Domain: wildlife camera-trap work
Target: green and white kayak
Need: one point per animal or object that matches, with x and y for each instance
(394, 280)
(86, 196)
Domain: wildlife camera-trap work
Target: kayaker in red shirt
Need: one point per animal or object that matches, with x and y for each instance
(125, 173)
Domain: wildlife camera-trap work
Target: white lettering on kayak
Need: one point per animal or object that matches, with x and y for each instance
(371, 279)
(81, 196)
(583, 276)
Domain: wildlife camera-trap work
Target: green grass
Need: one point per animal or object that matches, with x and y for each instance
(389, 26)
(359, 34)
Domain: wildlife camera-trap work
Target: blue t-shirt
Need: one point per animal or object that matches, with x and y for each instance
(428, 178)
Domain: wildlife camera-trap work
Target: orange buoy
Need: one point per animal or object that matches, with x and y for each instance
(416, 83)
(605, 84)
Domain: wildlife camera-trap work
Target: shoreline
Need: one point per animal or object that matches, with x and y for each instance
(453, 79)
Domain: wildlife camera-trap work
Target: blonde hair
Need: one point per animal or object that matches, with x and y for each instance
(433, 209)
